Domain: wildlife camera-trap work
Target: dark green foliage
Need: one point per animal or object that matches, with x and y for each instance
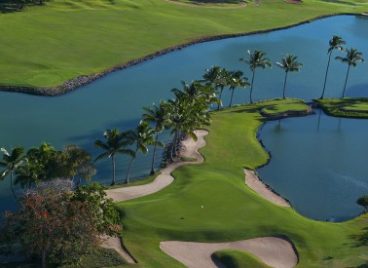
(363, 201)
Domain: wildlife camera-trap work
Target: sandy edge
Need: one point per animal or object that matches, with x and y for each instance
(273, 251)
(164, 179)
(252, 181)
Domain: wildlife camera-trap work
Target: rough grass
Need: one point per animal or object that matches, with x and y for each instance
(43, 46)
(210, 202)
(347, 107)
(237, 259)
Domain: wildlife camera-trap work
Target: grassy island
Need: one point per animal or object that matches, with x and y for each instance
(347, 107)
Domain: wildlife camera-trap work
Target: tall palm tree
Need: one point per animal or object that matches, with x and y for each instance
(256, 59)
(336, 43)
(116, 142)
(143, 136)
(159, 116)
(217, 77)
(289, 63)
(352, 58)
(11, 163)
(236, 80)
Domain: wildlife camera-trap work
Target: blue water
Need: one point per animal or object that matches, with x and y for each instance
(116, 100)
(319, 163)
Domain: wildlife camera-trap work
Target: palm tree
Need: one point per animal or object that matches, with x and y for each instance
(256, 59)
(289, 63)
(236, 80)
(352, 58)
(336, 43)
(143, 136)
(217, 77)
(187, 113)
(11, 163)
(159, 116)
(116, 142)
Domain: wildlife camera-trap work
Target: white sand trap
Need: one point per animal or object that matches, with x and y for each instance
(253, 182)
(164, 178)
(275, 252)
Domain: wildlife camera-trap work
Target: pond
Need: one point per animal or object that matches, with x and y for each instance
(318, 163)
(117, 99)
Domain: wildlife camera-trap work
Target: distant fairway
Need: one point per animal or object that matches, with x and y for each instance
(44, 46)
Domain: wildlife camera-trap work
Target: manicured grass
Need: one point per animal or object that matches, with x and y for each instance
(347, 107)
(237, 259)
(44, 46)
(292, 106)
(210, 202)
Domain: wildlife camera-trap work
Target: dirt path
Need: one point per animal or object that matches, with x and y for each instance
(275, 252)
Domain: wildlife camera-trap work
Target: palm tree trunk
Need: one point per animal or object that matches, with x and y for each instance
(231, 98)
(218, 105)
(127, 179)
(154, 156)
(43, 258)
(11, 184)
(173, 146)
(251, 87)
(326, 74)
(285, 80)
(113, 170)
(346, 81)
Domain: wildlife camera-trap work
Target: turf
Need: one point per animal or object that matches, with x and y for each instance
(210, 202)
(43, 46)
(347, 107)
(289, 106)
(237, 259)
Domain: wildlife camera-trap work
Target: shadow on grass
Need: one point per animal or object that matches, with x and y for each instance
(8, 6)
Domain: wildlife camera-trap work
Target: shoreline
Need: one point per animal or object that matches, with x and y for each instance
(82, 80)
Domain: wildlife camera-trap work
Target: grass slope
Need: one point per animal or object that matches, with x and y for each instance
(210, 202)
(347, 107)
(237, 259)
(43, 46)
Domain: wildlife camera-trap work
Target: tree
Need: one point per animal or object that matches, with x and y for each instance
(256, 59)
(217, 77)
(11, 162)
(336, 43)
(76, 162)
(188, 112)
(236, 80)
(116, 142)
(363, 201)
(157, 115)
(58, 226)
(143, 136)
(352, 58)
(289, 63)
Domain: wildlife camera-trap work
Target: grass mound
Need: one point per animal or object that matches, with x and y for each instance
(237, 259)
(287, 107)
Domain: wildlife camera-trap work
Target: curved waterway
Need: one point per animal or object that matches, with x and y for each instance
(116, 100)
(318, 163)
